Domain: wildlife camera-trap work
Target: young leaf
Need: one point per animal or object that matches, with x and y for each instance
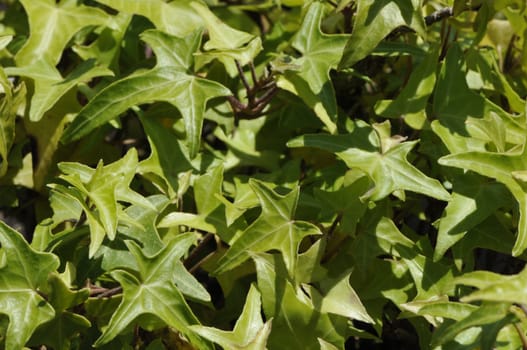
(48, 21)
(23, 272)
(50, 86)
(320, 53)
(162, 14)
(390, 170)
(274, 229)
(153, 292)
(250, 332)
(375, 19)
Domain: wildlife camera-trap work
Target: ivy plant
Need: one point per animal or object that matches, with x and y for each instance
(263, 174)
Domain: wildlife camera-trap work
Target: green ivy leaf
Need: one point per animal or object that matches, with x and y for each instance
(320, 53)
(375, 19)
(274, 229)
(23, 273)
(168, 82)
(294, 316)
(50, 86)
(389, 170)
(58, 332)
(48, 21)
(162, 14)
(153, 292)
(505, 168)
(104, 186)
(473, 200)
(250, 332)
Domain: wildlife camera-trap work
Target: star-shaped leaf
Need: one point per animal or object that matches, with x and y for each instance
(58, 332)
(22, 275)
(320, 53)
(250, 332)
(48, 21)
(104, 186)
(375, 19)
(50, 86)
(385, 163)
(507, 168)
(169, 81)
(275, 228)
(152, 292)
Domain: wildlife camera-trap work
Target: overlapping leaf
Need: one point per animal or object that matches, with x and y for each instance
(388, 168)
(152, 292)
(275, 228)
(23, 273)
(310, 79)
(376, 19)
(250, 332)
(169, 81)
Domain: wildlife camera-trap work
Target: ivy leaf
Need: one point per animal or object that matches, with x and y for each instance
(375, 19)
(294, 316)
(58, 332)
(250, 332)
(273, 229)
(50, 86)
(162, 14)
(168, 157)
(23, 272)
(168, 81)
(389, 169)
(48, 21)
(506, 168)
(320, 53)
(104, 186)
(473, 200)
(152, 292)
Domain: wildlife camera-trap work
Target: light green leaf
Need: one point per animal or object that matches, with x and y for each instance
(502, 167)
(339, 298)
(152, 292)
(104, 186)
(320, 53)
(495, 287)
(484, 315)
(275, 228)
(390, 170)
(250, 332)
(375, 19)
(50, 86)
(23, 273)
(294, 317)
(48, 21)
(162, 14)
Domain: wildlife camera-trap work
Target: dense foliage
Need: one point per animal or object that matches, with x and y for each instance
(252, 174)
